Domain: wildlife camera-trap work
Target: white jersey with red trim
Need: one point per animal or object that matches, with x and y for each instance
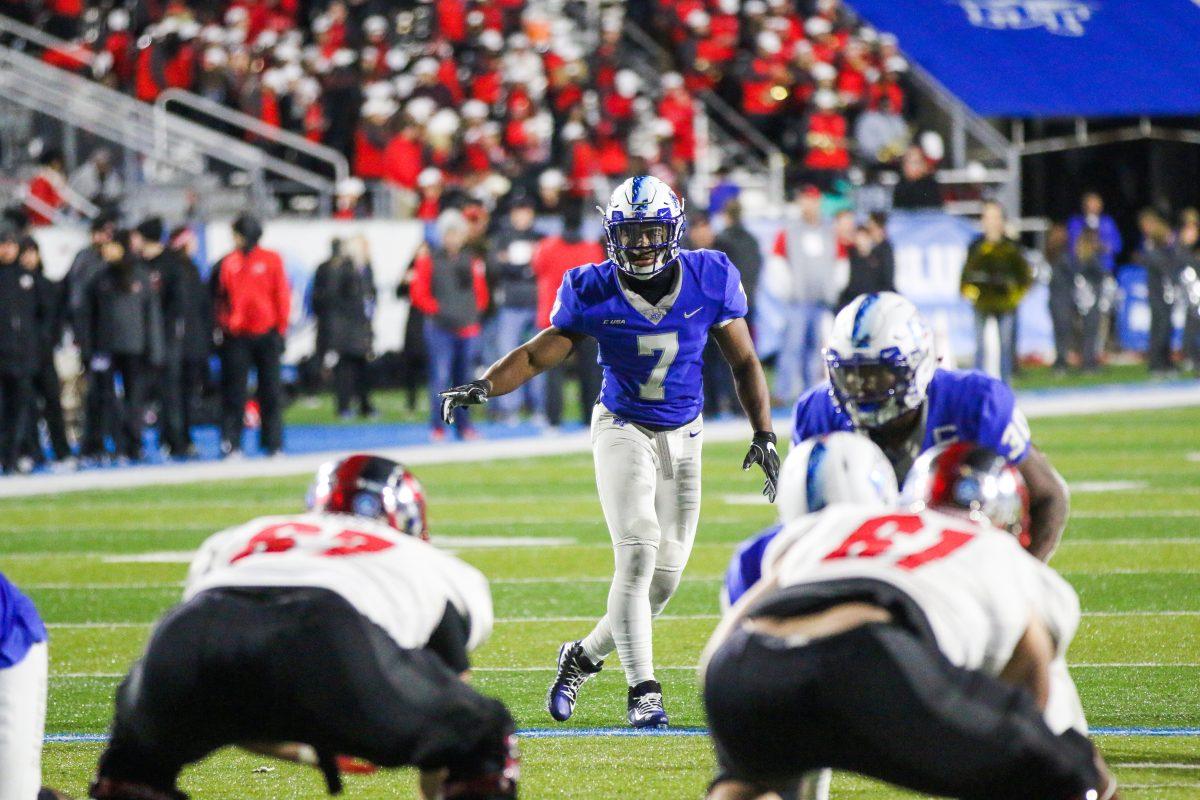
(400, 583)
(976, 585)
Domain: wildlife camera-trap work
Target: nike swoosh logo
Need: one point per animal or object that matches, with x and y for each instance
(693, 435)
(693, 313)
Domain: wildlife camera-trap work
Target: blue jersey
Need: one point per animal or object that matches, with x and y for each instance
(745, 568)
(20, 625)
(964, 405)
(652, 356)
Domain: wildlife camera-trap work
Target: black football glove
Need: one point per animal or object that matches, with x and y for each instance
(469, 394)
(762, 452)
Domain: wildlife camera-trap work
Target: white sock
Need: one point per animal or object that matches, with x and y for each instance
(628, 618)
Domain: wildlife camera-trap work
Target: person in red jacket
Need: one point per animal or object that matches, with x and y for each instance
(554, 256)
(46, 191)
(252, 301)
(449, 287)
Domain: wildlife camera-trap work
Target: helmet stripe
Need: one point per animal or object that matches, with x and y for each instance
(860, 336)
(813, 491)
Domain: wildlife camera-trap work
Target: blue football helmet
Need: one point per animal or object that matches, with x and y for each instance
(643, 226)
(880, 358)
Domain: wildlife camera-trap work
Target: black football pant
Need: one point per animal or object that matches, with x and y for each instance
(238, 355)
(290, 665)
(879, 701)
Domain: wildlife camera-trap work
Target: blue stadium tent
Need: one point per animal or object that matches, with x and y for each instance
(1053, 58)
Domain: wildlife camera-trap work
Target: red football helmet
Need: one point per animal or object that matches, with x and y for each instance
(371, 486)
(973, 481)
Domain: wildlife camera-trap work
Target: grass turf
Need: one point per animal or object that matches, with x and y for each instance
(1132, 551)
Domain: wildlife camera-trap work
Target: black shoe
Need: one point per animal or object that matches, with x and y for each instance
(574, 669)
(646, 706)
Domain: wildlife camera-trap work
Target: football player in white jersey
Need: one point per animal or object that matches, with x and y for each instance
(914, 647)
(320, 636)
(651, 307)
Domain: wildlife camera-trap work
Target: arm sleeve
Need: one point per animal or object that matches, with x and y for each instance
(421, 289)
(565, 313)
(734, 304)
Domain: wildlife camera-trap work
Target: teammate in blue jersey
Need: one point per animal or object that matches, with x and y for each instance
(23, 676)
(651, 308)
(884, 382)
(825, 470)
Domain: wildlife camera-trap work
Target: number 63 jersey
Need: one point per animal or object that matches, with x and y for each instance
(400, 583)
(652, 355)
(976, 585)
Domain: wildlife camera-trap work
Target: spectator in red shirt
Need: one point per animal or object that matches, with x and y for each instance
(678, 108)
(551, 260)
(450, 288)
(828, 155)
(252, 301)
(46, 193)
(372, 139)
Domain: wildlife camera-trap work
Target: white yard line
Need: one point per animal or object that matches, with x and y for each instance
(1152, 765)
(663, 618)
(1054, 403)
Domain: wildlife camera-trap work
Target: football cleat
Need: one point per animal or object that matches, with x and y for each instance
(646, 706)
(574, 669)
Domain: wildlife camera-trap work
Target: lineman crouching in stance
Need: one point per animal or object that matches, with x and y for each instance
(337, 633)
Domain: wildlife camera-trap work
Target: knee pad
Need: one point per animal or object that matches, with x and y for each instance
(635, 565)
(662, 589)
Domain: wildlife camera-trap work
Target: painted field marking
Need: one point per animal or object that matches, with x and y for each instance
(1089, 487)
(584, 733)
(1140, 514)
(1153, 765)
(663, 618)
(1194, 457)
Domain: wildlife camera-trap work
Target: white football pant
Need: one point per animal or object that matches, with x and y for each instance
(23, 724)
(649, 485)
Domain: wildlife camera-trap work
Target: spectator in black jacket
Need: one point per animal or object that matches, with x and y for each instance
(343, 300)
(122, 335)
(742, 248)
(87, 265)
(47, 388)
(23, 325)
(1163, 261)
(187, 324)
(872, 262)
(514, 295)
(917, 190)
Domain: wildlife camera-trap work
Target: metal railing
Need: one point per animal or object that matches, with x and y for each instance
(170, 142)
(338, 166)
(39, 37)
(730, 126)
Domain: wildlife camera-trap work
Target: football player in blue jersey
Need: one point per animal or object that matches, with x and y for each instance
(838, 467)
(24, 666)
(651, 307)
(884, 381)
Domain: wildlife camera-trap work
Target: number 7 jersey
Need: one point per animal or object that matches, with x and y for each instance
(399, 582)
(652, 355)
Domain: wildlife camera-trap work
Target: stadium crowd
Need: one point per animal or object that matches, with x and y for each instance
(428, 100)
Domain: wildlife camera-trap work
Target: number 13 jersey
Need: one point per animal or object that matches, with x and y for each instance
(652, 355)
(400, 583)
(976, 585)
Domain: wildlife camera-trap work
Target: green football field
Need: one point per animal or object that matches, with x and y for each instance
(1132, 550)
